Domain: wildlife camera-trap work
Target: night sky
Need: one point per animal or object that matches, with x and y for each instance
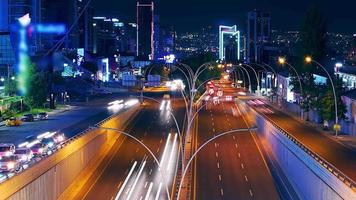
(190, 15)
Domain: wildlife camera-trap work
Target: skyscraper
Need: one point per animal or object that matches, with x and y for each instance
(145, 30)
(258, 33)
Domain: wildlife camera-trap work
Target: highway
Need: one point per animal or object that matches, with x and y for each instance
(132, 172)
(231, 167)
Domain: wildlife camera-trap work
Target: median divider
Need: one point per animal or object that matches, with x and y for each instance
(54, 175)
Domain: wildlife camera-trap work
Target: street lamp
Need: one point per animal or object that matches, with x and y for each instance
(310, 60)
(283, 61)
(258, 81)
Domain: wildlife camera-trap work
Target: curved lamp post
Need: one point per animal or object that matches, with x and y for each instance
(283, 61)
(258, 81)
(309, 59)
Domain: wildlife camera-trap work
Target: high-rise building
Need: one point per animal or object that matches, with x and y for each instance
(85, 27)
(145, 30)
(258, 33)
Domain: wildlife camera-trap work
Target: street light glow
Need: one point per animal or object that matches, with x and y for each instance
(281, 60)
(308, 59)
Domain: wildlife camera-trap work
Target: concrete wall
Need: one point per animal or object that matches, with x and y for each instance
(309, 178)
(49, 178)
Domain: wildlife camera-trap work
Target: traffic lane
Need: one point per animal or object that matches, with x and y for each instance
(206, 170)
(253, 166)
(108, 184)
(226, 182)
(151, 130)
(335, 153)
(236, 177)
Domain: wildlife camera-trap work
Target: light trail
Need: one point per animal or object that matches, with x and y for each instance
(162, 105)
(149, 191)
(165, 150)
(126, 180)
(172, 152)
(136, 180)
(158, 191)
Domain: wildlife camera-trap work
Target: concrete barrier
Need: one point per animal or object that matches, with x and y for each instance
(308, 176)
(50, 177)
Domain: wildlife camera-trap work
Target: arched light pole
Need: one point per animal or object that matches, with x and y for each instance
(309, 59)
(258, 81)
(248, 77)
(283, 61)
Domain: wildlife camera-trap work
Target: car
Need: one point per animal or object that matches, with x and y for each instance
(10, 164)
(28, 118)
(39, 149)
(25, 155)
(49, 142)
(13, 121)
(59, 138)
(6, 150)
(42, 116)
(166, 96)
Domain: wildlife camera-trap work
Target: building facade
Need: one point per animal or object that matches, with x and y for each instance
(258, 34)
(145, 30)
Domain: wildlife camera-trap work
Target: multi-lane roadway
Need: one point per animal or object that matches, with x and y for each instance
(231, 167)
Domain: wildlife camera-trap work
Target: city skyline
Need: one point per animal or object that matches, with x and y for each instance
(232, 12)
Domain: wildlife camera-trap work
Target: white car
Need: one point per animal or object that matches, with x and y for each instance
(6, 150)
(10, 164)
(24, 154)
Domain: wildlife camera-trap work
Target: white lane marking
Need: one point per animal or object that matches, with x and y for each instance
(239, 155)
(158, 191)
(136, 180)
(235, 145)
(222, 192)
(158, 150)
(137, 150)
(150, 171)
(213, 129)
(217, 154)
(145, 184)
(251, 194)
(234, 137)
(219, 177)
(218, 165)
(126, 180)
(161, 141)
(212, 124)
(246, 179)
(242, 166)
(149, 191)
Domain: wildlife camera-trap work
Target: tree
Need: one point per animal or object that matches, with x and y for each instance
(10, 88)
(37, 91)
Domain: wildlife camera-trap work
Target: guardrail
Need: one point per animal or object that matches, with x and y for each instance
(328, 166)
(59, 146)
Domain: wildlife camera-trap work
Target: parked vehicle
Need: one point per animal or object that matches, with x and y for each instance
(13, 121)
(10, 164)
(6, 150)
(24, 154)
(28, 118)
(42, 116)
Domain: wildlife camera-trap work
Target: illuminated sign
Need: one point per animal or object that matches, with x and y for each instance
(170, 58)
(231, 31)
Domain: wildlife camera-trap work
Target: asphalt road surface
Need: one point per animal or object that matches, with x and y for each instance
(132, 172)
(231, 167)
